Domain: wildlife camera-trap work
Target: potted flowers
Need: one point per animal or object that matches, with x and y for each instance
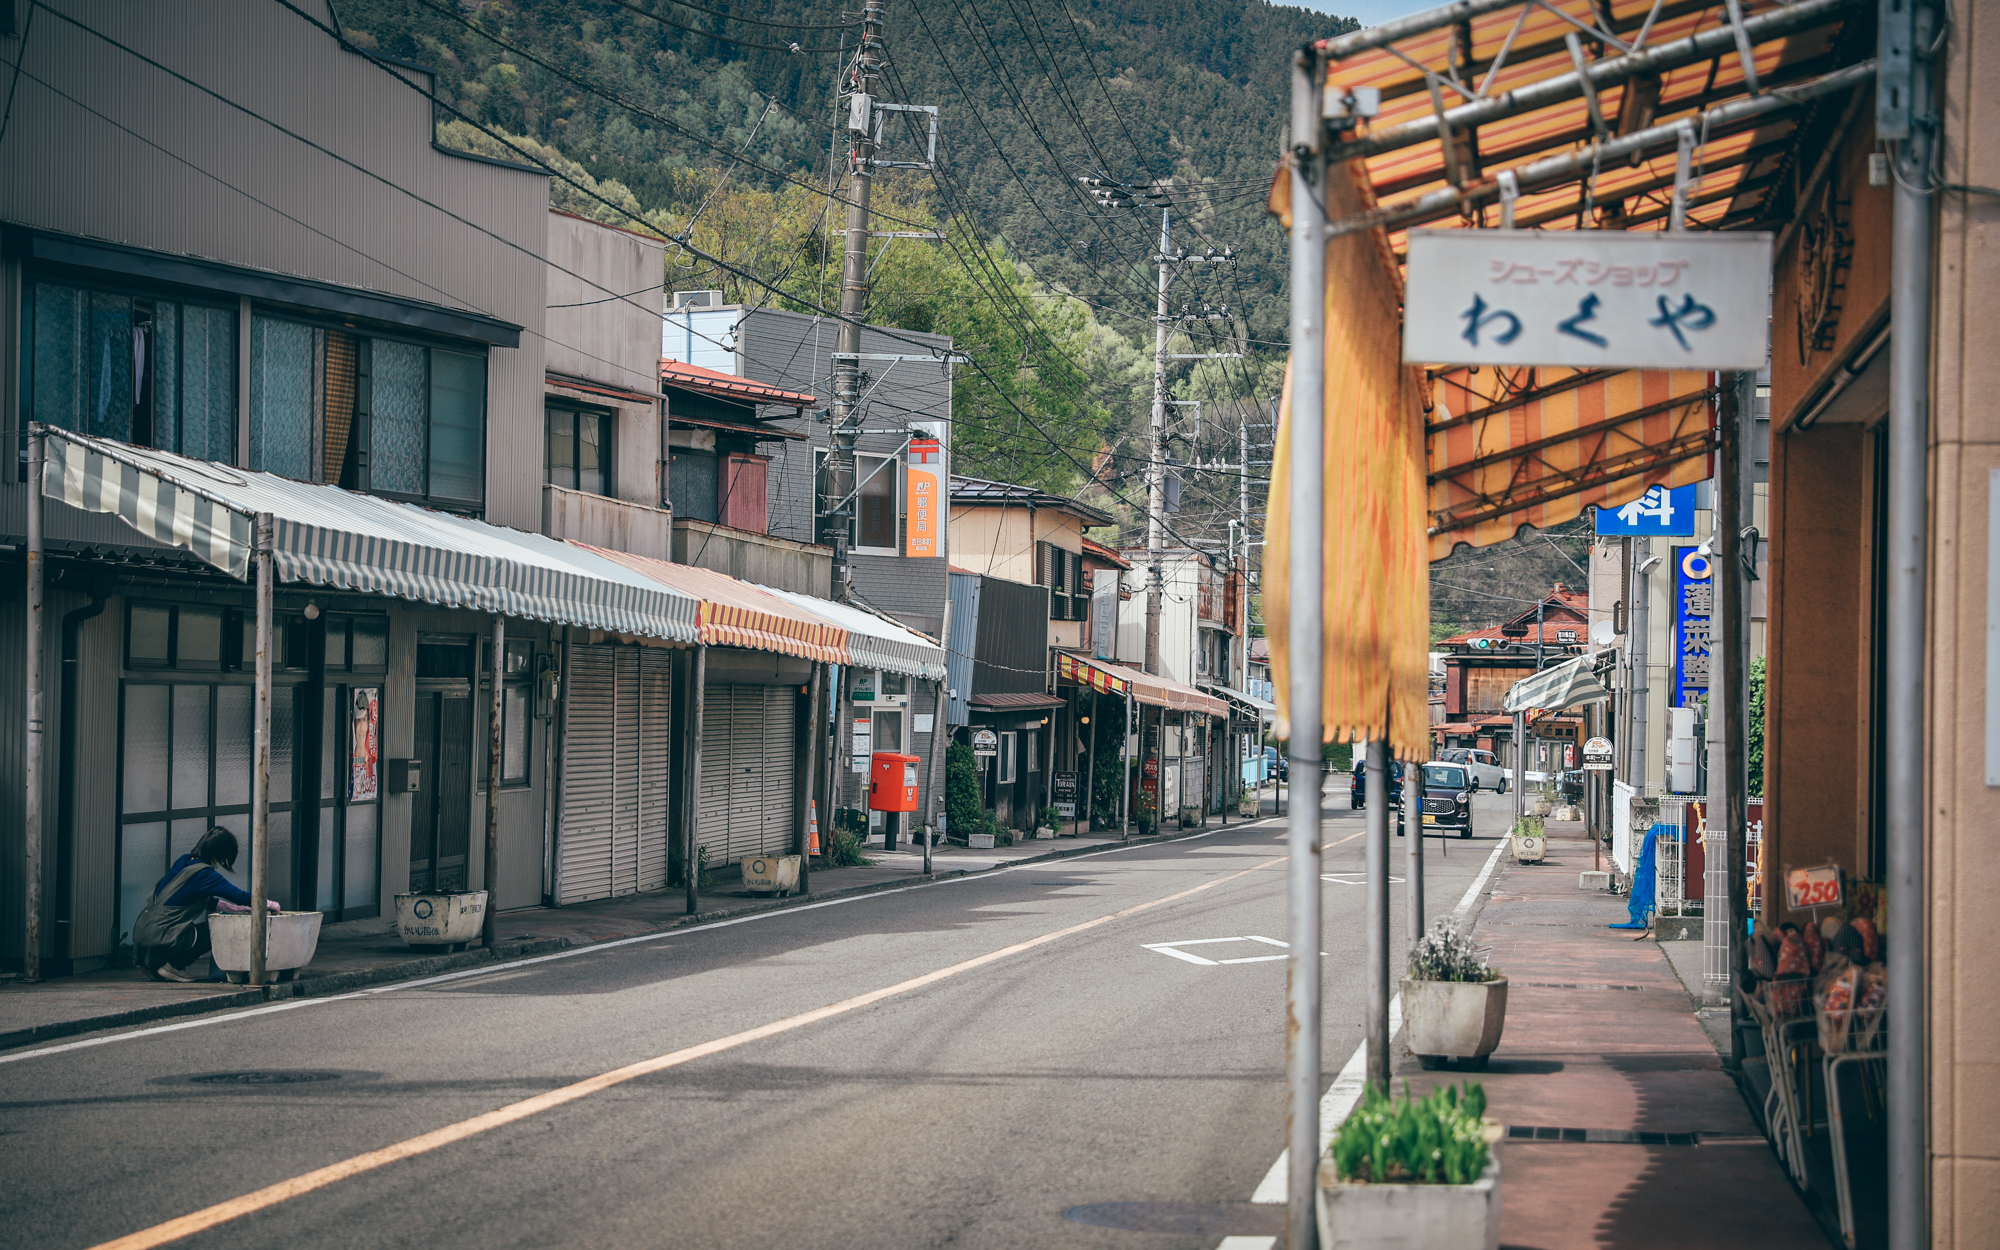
(1414, 1171)
(1530, 840)
(1454, 1003)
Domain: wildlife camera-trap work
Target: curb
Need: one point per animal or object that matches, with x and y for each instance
(412, 969)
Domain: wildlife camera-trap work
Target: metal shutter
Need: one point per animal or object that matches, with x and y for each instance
(589, 740)
(746, 773)
(655, 763)
(718, 730)
(625, 771)
(777, 769)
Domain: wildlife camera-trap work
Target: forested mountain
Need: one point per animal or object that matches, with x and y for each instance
(714, 120)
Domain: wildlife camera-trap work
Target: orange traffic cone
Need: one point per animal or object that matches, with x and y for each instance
(812, 826)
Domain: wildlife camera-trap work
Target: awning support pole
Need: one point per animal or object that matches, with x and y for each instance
(802, 835)
(489, 924)
(1090, 782)
(1125, 794)
(1304, 642)
(1520, 765)
(1906, 626)
(1375, 1012)
(1413, 865)
(31, 950)
(260, 768)
(690, 865)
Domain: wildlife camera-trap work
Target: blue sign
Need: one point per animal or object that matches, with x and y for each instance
(1658, 512)
(1694, 624)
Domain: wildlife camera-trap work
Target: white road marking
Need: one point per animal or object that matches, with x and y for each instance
(1360, 878)
(1478, 886)
(1172, 948)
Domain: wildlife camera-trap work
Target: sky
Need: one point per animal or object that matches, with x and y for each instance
(1369, 12)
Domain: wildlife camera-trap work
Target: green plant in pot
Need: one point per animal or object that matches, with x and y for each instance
(1416, 1171)
(1454, 1002)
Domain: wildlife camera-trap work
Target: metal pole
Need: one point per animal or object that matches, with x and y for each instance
(690, 855)
(31, 950)
(1125, 794)
(1304, 641)
(1413, 864)
(803, 845)
(489, 927)
(1726, 714)
(1639, 619)
(1090, 783)
(1156, 478)
(1520, 764)
(1375, 1012)
(1909, 471)
(937, 736)
(260, 766)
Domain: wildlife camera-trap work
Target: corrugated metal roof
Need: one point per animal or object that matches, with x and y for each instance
(728, 385)
(976, 490)
(873, 642)
(326, 536)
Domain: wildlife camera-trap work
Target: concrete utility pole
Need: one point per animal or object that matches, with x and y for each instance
(1156, 478)
(836, 506)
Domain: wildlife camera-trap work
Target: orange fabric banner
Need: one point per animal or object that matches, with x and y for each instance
(1375, 599)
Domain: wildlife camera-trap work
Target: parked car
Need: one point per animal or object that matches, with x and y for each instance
(1572, 786)
(1447, 799)
(1357, 789)
(1482, 767)
(1276, 765)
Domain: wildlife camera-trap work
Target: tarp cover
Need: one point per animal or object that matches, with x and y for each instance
(326, 536)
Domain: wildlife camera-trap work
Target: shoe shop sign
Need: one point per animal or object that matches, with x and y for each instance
(1588, 299)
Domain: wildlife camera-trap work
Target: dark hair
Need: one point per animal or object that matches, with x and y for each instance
(217, 846)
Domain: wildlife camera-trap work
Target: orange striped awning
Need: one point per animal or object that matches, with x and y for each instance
(1143, 687)
(734, 613)
(1513, 447)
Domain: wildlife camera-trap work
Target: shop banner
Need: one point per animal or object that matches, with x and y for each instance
(926, 510)
(1694, 612)
(1104, 614)
(1660, 511)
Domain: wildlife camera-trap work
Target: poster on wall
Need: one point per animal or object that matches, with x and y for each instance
(364, 747)
(1694, 611)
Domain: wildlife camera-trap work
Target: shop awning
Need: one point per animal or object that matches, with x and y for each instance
(1569, 684)
(1015, 702)
(325, 536)
(873, 642)
(735, 613)
(1260, 708)
(1143, 687)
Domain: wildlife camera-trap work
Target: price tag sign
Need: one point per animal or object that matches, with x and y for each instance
(1813, 887)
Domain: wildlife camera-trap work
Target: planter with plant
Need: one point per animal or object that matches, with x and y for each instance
(1046, 823)
(1529, 839)
(1412, 1171)
(1454, 1003)
(1545, 799)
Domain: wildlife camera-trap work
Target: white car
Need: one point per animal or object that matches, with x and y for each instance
(1482, 766)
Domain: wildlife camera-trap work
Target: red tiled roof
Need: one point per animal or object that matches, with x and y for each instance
(1093, 548)
(728, 385)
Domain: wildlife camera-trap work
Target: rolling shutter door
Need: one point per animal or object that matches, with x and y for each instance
(625, 776)
(718, 731)
(655, 763)
(746, 786)
(776, 774)
(589, 739)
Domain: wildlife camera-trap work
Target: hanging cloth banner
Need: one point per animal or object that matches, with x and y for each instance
(1375, 605)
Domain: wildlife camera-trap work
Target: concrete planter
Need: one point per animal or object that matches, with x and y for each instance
(1436, 1217)
(1530, 848)
(979, 841)
(289, 943)
(448, 920)
(771, 874)
(1459, 1020)
(1044, 834)
(1543, 808)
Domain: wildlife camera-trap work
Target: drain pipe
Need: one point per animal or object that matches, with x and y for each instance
(1906, 624)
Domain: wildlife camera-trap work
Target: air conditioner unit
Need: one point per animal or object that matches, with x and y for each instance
(697, 299)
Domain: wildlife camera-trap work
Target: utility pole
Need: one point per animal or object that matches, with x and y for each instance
(1156, 480)
(837, 506)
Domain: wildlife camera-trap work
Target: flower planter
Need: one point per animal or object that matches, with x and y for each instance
(1544, 808)
(771, 874)
(447, 920)
(1354, 1216)
(979, 841)
(1530, 848)
(1044, 834)
(1459, 1020)
(289, 943)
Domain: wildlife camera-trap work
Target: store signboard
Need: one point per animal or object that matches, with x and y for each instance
(1597, 755)
(926, 513)
(1661, 511)
(1062, 792)
(1104, 614)
(1589, 299)
(1694, 617)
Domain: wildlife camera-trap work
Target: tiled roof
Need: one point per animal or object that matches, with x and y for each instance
(973, 491)
(728, 386)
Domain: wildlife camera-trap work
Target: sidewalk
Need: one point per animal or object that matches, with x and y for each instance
(1602, 1037)
(369, 952)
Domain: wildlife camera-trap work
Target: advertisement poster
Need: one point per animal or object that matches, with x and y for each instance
(926, 513)
(364, 752)
(1694, 610)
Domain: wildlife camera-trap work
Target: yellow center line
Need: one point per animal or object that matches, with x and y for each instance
(271, 1195)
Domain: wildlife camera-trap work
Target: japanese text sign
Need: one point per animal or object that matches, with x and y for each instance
(1588, 299)
(1661, 510)
(1694, 620)
(926, 515)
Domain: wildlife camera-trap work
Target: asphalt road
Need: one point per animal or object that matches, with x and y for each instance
(970, 1109)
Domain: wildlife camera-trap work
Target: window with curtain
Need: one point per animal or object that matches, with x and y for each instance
(580, 448)
(367, 413)
(142, 369)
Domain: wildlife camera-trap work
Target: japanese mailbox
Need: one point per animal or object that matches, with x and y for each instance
(1588, 299)
(892, 784)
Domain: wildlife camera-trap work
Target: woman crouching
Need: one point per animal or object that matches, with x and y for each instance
(172, 930)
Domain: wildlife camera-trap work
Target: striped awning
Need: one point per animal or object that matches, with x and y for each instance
(1143, 687)
(1569, 684)
(873, 642)
(736, 613)
(325, 536)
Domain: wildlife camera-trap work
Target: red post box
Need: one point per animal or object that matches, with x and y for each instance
(892, 783)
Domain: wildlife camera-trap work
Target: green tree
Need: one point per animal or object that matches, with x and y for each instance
(963, 811)
(1754, 736)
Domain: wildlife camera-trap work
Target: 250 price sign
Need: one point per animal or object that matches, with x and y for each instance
(1813, 887)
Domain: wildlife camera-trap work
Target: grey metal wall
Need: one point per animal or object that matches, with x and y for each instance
(960, 646)
(170, 168)
(794, 350)
(1011, 654)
